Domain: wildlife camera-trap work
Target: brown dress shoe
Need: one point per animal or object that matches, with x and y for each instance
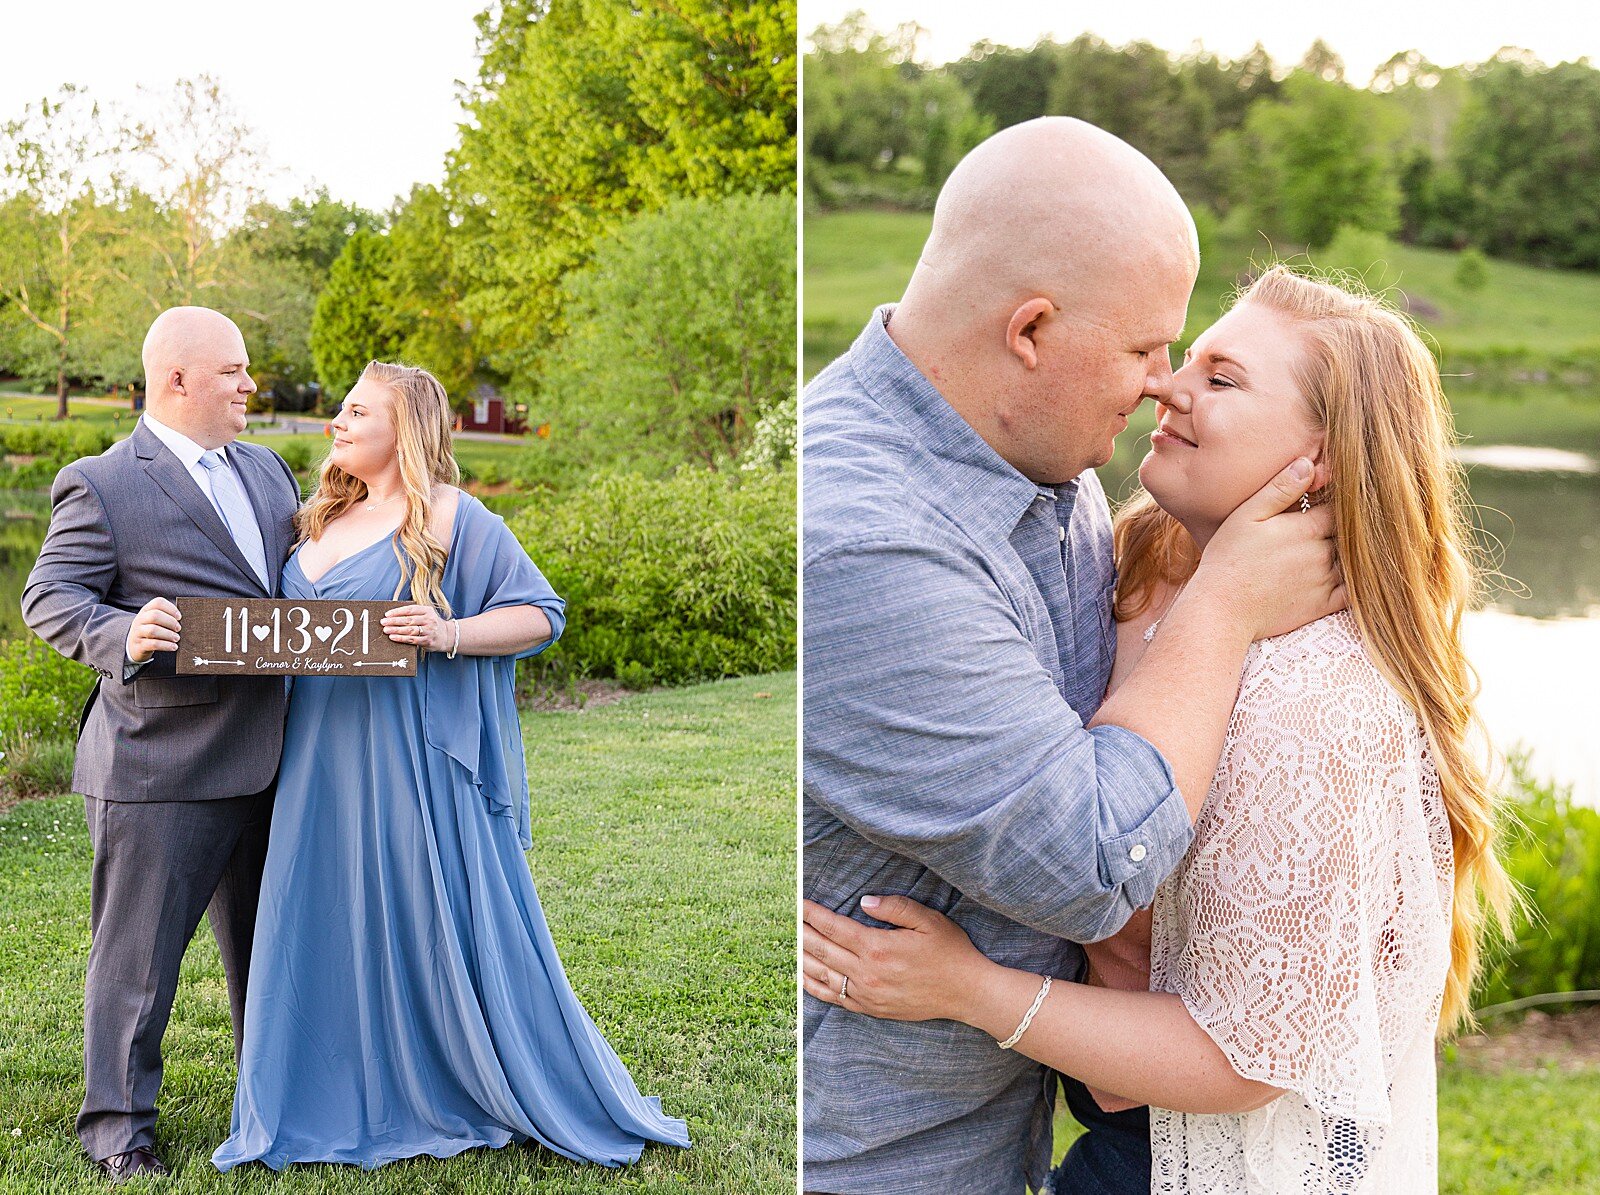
(136, 1163)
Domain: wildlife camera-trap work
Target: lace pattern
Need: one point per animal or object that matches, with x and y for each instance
(1307, 932)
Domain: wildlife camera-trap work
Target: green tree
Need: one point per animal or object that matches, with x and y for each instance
(54, 231)
(858, 93)
(1527, 148)
(682, 334)
(1320, 156)
(427, 292)
(1322, 63)
(879, 122)
(354, 318)
(1172, 109)
(590, 110)
(280, 260)
(1009, 85)
(199, 161)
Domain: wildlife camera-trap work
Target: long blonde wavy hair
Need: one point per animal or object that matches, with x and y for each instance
(1411, 565)
(422, 425)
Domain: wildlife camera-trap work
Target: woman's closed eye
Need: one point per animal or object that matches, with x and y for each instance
(1221, 382)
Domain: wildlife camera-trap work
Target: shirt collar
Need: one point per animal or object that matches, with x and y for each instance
(182, 447)
(971, 482)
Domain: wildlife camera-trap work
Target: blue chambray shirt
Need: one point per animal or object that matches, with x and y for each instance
(957, 637)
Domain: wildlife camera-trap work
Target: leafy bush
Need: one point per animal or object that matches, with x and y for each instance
(1368, 256)
(1472, 269)
(32, 454)
(297, 455)
(41, 691)
(670, 581)
(37, 767)
(1552, 851)
(680, 335)
(772, 443)
(41, 694)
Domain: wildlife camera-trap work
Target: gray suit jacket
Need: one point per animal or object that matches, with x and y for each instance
(128, 526)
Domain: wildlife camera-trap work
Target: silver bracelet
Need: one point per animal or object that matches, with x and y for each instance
(1027, 1017)
(456, 622)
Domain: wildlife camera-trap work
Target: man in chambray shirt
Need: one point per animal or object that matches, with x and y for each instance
(958, 638)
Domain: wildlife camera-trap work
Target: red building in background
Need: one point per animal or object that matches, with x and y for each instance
(488, 414)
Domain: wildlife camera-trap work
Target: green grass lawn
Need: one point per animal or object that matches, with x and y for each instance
(664, 856)
(28, 408)
(857, 259)
(1501, 1132)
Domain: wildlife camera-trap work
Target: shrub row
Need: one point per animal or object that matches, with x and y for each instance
(32, 454)
(670, 581)
(1552, 850)
(41, 695)
(1575, 370)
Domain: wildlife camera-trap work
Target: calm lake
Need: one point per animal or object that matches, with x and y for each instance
(1536, 645)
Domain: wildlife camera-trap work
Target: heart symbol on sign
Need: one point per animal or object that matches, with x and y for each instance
(259, 632)
(322, 633)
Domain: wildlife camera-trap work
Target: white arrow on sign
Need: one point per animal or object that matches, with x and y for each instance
(203, 663)
(379, 664)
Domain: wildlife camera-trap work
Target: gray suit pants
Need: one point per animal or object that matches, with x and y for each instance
(159, 865)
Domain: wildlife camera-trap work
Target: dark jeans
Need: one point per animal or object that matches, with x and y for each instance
(1112, 1158)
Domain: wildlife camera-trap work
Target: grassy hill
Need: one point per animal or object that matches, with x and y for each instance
(856, 260)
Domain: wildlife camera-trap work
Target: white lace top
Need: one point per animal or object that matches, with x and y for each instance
(1307, 932)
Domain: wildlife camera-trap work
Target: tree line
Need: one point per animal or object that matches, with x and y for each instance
(597, 134)
(1502, 156)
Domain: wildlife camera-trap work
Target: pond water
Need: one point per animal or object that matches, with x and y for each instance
(1536, 644)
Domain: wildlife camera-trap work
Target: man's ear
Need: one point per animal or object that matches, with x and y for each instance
(1024, 324)
(175, 381)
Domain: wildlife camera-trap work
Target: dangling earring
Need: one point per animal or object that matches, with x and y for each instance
(1305, 504)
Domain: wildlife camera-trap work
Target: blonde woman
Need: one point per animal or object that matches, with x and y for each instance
(1326, 920)
(407, 997)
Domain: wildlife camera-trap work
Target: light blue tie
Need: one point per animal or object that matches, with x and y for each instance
(236, 513)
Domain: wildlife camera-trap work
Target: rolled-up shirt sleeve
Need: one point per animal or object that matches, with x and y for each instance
(933, 730)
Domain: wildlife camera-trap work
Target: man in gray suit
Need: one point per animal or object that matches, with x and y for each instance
(176, 772)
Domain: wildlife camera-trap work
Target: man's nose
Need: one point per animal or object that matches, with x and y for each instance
(1158, 382)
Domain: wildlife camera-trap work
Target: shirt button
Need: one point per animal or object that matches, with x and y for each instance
(1063, 532)
(1137, 852)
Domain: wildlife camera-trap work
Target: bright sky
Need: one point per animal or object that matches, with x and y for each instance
(1365, 33)
(355, 95)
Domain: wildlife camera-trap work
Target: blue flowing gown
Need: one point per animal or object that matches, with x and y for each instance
(405, 995)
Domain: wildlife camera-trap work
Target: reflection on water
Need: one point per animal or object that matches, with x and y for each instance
(1541, 691)
(1543, 532)
(1527, 459)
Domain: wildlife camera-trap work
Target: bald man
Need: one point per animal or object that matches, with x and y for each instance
(958, 640)
(176, 772)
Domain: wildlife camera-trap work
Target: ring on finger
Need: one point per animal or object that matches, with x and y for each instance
(844, 984)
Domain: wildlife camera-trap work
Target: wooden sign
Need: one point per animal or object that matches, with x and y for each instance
(262, 637)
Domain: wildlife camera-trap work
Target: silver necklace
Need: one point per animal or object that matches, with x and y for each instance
(385, 502)
(1150, 631)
